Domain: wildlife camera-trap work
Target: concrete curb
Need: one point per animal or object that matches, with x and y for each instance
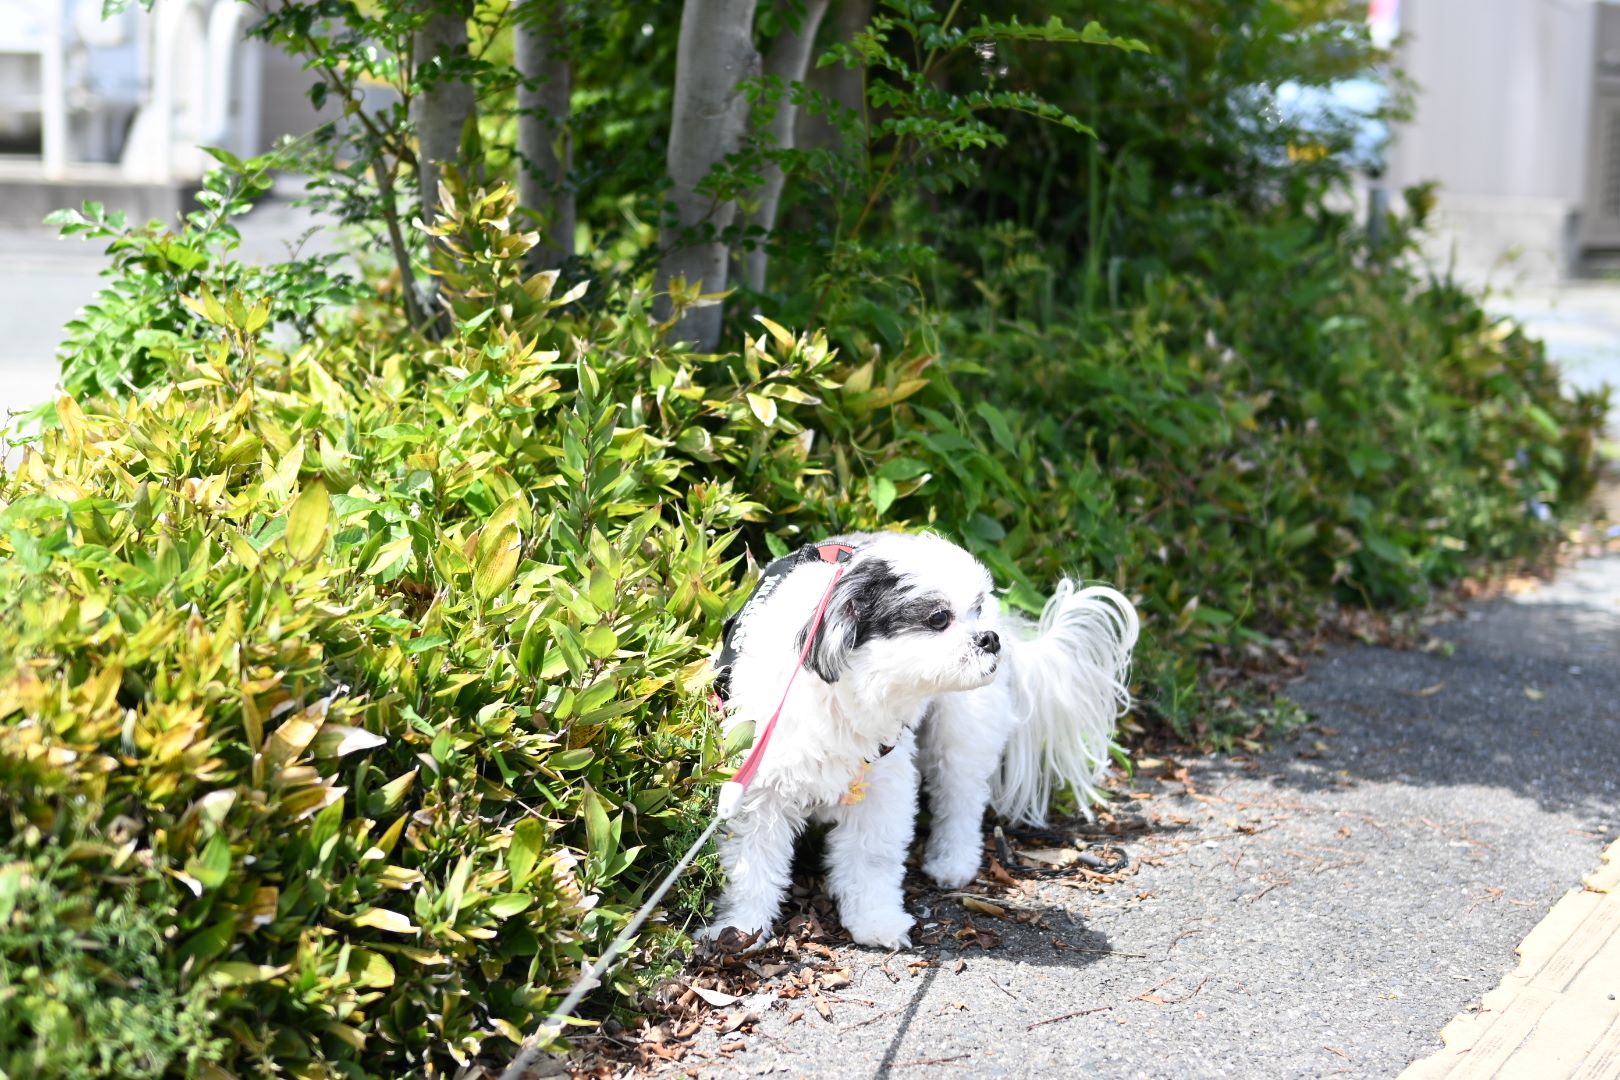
(1557, 1014)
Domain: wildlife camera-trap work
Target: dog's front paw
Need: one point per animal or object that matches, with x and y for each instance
(883, 929)
(952, 869)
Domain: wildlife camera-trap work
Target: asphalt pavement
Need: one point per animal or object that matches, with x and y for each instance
(1323, 909)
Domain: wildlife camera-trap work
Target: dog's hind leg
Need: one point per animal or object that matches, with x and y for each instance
(961, 749)
(757, 854)
(866, 851)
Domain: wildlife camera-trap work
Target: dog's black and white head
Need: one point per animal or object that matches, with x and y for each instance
(910, 616)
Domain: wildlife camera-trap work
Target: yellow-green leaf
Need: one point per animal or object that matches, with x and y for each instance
(225, 973)
(497, 564)
(598, 830)
(783, 338)
(509, 904)
(213, 865)
(763, 407)
(524, 850)
(739, 738)
(390, 555)
(336, 740)
(382, 919)
(306, 522)
(393, 793)
(568, 760)
(601, 641)
(367, 968)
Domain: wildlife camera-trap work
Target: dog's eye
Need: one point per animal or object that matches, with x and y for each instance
(939, 620)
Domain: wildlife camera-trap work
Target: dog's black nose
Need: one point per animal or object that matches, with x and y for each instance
(988, 641)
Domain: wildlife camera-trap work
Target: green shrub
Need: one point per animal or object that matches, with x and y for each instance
(139, 328)
(83, 987)
(383, 659)
(1319, 429)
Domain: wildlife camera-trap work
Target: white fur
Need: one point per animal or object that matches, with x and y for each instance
(1004, 727)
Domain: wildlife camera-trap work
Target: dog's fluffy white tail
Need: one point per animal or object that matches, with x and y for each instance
(1070, 683)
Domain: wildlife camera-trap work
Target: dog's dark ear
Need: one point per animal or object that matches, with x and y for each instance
(856, 596)
(836, 637)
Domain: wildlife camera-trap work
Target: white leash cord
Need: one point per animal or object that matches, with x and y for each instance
(731, 793)
(552, 1028)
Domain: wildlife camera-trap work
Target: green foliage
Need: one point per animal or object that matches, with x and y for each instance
(140, 325)
(1329, 433)
(918, 135)
(378, 662)
(83, 991)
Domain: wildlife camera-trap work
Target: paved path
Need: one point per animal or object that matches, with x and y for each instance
(1324, 909)
(1579, 322)
(1557, 1016)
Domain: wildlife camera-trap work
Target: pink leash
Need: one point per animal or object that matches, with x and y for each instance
(731, 792)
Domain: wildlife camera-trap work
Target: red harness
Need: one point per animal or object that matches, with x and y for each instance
(732, 790)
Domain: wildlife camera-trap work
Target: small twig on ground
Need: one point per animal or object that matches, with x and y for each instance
(842, 998)
(1268, 888)
(931, 1061)
(1177, 939)
(1068, 1016)
(1003, 989)
(863, 1023)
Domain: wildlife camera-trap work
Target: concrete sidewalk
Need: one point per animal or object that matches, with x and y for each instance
(1557, 1015)
(1323, 909)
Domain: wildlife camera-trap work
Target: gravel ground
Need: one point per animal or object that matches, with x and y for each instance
(1320, 910)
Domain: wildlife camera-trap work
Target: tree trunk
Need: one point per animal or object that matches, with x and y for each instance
(544, 142)
(788, 60)
(841, 84)
(714, 55)
(440, 110)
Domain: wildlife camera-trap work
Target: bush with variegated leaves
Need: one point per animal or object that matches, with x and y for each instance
(375, 667)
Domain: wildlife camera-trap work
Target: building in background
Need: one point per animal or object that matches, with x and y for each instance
(1517, 117)
(116, 109)
(1518, 120)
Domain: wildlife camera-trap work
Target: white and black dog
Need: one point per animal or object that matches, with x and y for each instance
(913, 669)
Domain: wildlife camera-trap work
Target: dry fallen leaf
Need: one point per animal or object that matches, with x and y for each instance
(999, 875)
(737, 1018)
(715, 997)
(832, 980)
(984, 907)
(1059, 857)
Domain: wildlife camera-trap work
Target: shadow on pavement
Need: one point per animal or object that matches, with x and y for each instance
(1528, 701)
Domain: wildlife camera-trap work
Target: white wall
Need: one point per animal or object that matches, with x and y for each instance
(1504, 95)
(1504, 89)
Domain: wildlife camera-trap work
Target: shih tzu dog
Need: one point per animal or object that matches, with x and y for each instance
(913, 674)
